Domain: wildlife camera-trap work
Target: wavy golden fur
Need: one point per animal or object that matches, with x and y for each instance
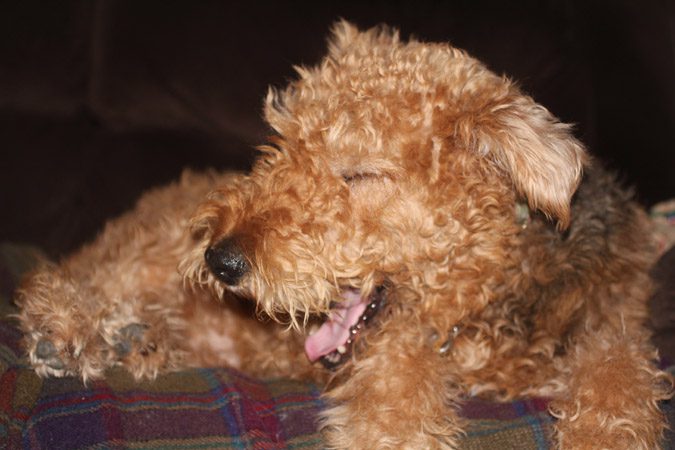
(406, 168)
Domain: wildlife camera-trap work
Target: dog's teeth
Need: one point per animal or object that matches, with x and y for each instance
(313, 329)
(342, 349)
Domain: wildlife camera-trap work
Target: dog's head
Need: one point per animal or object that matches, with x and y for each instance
(396, 166)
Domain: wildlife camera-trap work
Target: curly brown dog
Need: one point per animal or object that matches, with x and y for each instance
(418, 231)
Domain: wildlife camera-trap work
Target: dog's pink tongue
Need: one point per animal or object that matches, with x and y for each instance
(335, 330)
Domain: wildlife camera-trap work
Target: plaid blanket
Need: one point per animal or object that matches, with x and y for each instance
(193, 409)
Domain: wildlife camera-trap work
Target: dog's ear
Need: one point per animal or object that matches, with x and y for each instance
(539, 153)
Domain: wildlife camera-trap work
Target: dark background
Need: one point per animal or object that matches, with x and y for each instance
(102, 99)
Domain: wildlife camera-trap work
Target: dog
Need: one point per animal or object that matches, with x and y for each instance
(416, 231)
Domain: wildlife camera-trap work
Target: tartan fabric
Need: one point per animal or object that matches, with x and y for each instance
(515, 425)
(193, 409)
(198, 409)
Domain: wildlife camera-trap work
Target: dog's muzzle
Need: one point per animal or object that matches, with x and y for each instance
(227, 261)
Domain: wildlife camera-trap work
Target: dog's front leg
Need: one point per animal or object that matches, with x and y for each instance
(612, 395)
(118, 300)
(110, 303)
(399, 395)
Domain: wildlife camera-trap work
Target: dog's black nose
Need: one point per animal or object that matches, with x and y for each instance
(226, 261)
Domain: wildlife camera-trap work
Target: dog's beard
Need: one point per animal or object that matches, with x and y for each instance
(331, 343)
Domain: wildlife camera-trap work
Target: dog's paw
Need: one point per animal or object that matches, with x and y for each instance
(143, 349)
(48, 355)
(132, 339)
(53, 355)
(59, 320)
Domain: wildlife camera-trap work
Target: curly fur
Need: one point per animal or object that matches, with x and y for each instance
(397, 164)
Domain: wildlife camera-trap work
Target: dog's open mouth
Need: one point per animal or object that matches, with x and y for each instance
(332, 343)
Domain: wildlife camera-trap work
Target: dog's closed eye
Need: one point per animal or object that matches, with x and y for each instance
(370, 189)
(355, 177)
(372, 175)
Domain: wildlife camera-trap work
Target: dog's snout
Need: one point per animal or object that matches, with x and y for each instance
(227, 261)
